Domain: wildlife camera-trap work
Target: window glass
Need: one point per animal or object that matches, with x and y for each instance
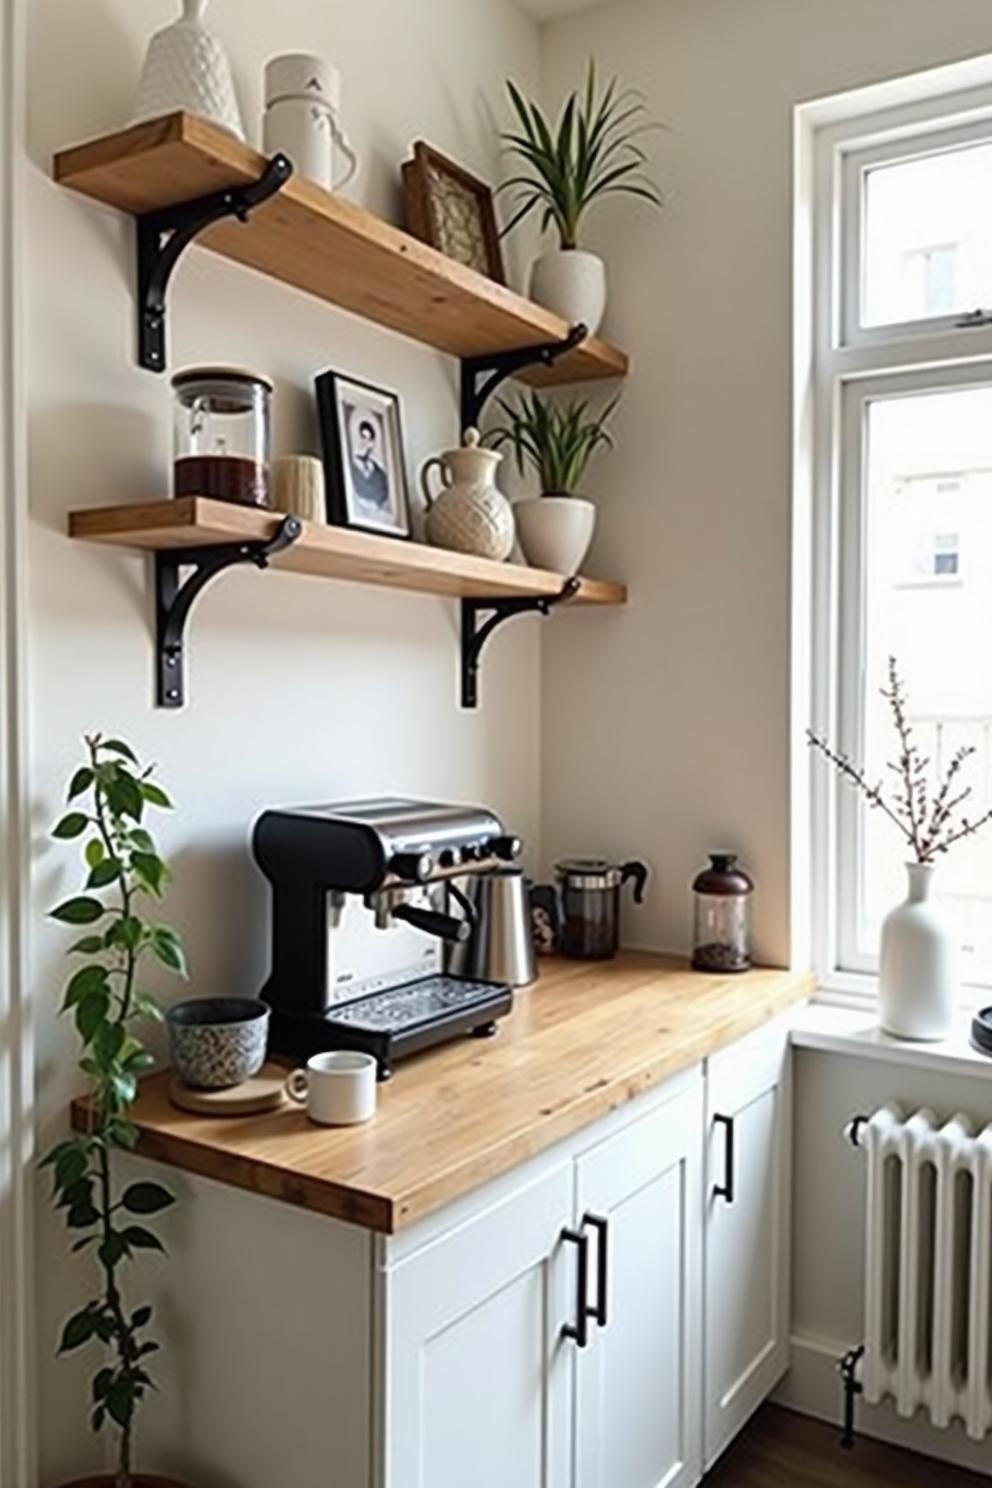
(928, 602)
(928, 236)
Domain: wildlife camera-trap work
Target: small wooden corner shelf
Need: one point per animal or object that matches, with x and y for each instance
(194, 522)
(318, 242)
(194, 539)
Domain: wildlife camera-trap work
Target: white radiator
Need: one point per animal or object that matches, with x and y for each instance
(928, 1277)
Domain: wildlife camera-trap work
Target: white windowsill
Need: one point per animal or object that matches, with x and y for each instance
(855, 1031)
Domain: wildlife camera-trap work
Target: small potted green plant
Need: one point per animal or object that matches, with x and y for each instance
(590, 153)
(557, 440)
(109, 1219)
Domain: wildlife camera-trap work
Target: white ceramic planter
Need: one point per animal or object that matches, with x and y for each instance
(572, 283)
(918, 973)
(555, 531)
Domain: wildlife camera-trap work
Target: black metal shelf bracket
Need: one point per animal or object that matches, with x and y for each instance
(475, 633)
(164, 235)
(174, 597)
(482, 375)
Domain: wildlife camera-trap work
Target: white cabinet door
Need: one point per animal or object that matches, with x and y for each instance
(477, 1377)
(638, 1420)
(747, 1229)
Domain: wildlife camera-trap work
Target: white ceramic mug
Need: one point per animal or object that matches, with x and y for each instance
(338, 1089)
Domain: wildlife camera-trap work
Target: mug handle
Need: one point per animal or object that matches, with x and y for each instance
(425, 484)
(341, 140)
(297, 1086)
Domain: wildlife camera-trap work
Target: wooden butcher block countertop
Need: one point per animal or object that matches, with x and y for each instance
(584, 1040)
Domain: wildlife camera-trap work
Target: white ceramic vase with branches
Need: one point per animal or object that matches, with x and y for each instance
(918, 962)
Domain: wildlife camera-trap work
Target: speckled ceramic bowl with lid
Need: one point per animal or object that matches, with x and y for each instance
(218, 1042)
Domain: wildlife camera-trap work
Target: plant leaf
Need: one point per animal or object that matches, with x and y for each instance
(169, 949)
(73, 824)
(88, 946)
(103, 873)
(141, 1239)
(155, 795)
(150, 869)
(78, 911)
(84, 982)
(117, 746)
(102, 1382)
(145, 1005)
(70, 1166)
(146, 1198)
(112, 1249)
(91, 1013)
(81, 781)
(78, 1330)
(107, 1043)
(120, 1400)
(141, 1315)
(125, 795)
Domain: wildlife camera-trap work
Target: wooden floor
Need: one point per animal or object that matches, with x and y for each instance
(782, 1450)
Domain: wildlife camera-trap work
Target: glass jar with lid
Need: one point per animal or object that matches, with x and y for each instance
(721, 939)
(221, 434)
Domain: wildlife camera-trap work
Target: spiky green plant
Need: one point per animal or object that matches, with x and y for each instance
(590, 153)
(557, 439)
(108, 795)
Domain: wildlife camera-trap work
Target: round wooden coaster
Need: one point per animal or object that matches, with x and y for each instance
(263, 1093)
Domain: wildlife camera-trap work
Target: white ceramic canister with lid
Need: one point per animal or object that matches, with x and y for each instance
(302, 99)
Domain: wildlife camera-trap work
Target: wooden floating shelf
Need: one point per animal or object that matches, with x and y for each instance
(194, 522)
(318, 242)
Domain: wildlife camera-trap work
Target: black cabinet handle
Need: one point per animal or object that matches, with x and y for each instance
(725, 1190)
(579, 1330)
(602, 1228)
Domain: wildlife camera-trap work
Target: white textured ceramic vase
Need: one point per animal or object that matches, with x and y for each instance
(187, 68)
(572, 283)
(555, 531)
(918, 972)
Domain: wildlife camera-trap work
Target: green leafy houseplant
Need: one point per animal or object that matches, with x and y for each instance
(108, 796)
(590, 153)
(557, 439)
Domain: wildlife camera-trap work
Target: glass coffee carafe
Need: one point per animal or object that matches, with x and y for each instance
(221, 435)
(722, 912)
(589, 905)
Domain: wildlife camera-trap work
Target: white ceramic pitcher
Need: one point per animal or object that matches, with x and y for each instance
(470, 514)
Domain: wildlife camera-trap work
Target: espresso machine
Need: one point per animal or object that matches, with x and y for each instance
(370, 900)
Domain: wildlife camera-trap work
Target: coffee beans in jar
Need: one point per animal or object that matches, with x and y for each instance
(221, 434)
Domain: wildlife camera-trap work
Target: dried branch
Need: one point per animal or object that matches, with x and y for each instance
(928, 821)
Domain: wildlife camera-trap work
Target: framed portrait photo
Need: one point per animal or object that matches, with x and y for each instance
(364, 464)
(452, 210)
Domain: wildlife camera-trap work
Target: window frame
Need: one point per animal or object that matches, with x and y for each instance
(857, 397)
(839, 366)
(859, 159)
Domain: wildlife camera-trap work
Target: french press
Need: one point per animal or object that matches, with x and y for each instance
(589, 905)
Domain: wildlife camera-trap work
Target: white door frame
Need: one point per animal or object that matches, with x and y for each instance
(17, 1433)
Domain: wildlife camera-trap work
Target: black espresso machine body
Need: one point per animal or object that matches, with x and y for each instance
(356, 888)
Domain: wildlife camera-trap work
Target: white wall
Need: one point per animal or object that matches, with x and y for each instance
(299, 690)
(666, 729)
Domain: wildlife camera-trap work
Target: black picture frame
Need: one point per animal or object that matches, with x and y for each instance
(381, 503)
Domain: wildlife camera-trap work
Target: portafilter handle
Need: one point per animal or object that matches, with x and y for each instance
(432, 922)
